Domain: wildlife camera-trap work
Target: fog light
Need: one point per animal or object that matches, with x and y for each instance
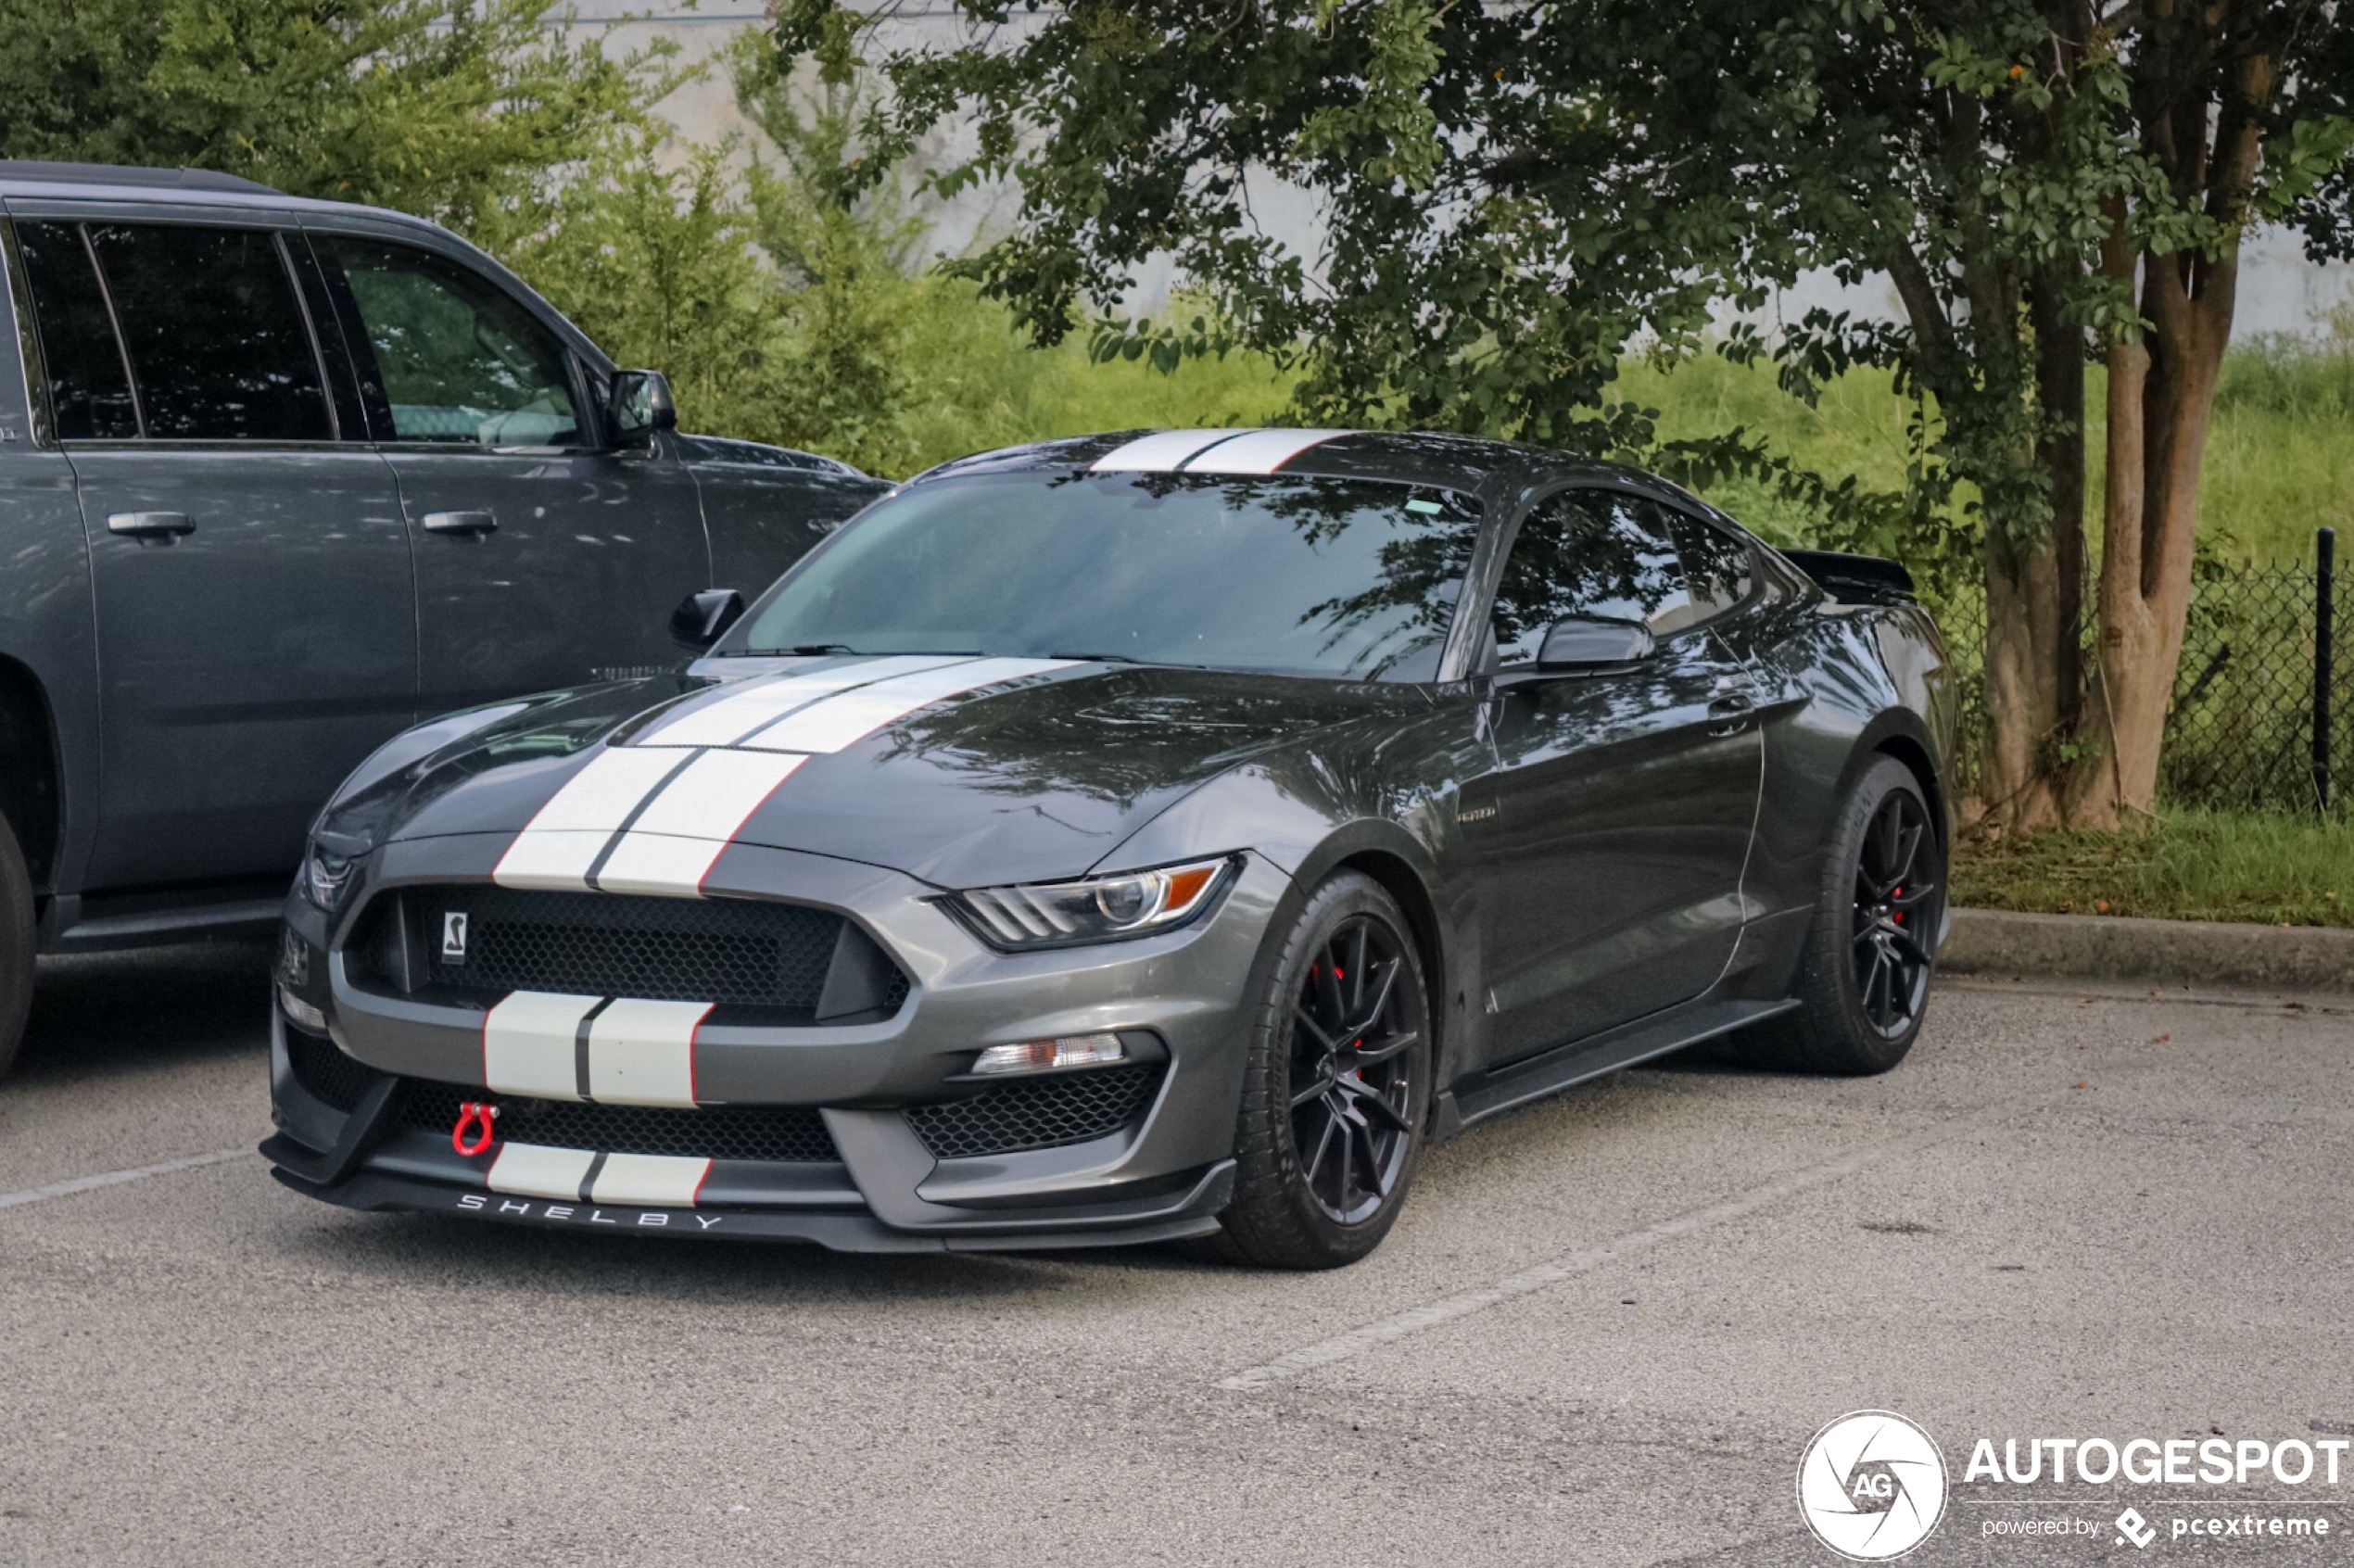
(301, 1013)
(1046, 1056)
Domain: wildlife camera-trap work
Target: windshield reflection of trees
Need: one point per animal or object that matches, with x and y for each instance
(1407, 609)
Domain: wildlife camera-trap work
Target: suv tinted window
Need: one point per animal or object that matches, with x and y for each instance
(89, 392)
(460, 360)
(1588, 552)
(219, 347)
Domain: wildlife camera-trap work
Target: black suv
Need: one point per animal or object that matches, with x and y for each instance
(278, 478)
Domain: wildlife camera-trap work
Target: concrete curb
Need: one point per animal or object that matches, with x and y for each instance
(2201, 952)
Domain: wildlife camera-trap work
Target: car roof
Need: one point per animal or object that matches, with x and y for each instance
(1467, 463)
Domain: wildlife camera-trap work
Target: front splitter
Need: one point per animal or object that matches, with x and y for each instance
(1193, 1214)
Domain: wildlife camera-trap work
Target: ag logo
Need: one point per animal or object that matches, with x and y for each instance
(1872, 1485)
(453, 936)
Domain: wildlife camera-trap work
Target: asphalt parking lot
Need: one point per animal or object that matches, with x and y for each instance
(1601, 1334)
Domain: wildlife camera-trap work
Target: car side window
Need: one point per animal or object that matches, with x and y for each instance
(214, 343)
(1588, 552)
(1719, 568)
(460, 360)
(89, 388)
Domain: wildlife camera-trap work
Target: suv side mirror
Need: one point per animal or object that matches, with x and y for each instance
(703, 618)
(642, 404)
(1576, 642)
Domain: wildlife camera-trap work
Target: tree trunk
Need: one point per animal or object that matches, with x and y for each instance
(2023, 698)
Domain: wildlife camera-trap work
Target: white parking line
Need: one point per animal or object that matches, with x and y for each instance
(1447, 1309)
(116, 1178)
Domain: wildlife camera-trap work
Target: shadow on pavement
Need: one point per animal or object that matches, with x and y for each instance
(97, 1014)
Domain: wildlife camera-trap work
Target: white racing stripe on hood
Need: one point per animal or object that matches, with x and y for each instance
(562, 839)
(642, 1053)
(1160, 451)
(529, 1044)
(846, 719)
(748, 706)
(674, 842)
(654, 818)
(1258, 451)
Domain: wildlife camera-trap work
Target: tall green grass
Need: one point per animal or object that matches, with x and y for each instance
(2189, 866)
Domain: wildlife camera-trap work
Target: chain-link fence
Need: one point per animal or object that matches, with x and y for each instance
(2240, 733)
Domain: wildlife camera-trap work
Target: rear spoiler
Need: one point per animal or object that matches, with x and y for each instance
(1854, 579)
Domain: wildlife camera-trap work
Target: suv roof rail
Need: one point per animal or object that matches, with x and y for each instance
(124, 174)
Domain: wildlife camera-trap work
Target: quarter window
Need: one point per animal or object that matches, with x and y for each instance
(460, 360)
(89, 390)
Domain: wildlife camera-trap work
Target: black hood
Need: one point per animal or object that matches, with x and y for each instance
(1025, 779)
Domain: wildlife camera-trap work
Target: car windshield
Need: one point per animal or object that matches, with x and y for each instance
(1347, 578)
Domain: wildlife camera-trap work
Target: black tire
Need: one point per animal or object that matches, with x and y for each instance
(16, 947)
(1864, 975)
(1312, 1077)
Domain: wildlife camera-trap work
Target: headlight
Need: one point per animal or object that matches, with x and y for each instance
(323, 877)
(1035, 915)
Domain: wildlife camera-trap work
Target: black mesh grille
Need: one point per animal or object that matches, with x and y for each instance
(1040, 1113)
(329, 1075)
(795, 1133)
(727, 951)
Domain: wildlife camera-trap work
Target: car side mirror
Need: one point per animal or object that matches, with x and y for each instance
(641, 405)
(1577, 642)
(703, 618)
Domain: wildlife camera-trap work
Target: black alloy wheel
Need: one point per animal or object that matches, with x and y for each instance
(1352, 1069)
(1864, 970)
(1337, 1084)
(1892, 888)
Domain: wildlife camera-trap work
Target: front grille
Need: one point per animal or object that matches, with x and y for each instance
(794, 1133)
(730, 952)
(1038, 1113)
(326, 1073)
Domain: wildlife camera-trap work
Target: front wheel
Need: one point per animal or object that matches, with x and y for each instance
(1863, 978)
(1337, 1086)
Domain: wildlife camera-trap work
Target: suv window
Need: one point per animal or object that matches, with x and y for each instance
(213, 333)
(460, 360)
(89, 390)
(1588, 552)
(219, 347)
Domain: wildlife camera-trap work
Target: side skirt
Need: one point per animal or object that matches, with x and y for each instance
(1491, 1094)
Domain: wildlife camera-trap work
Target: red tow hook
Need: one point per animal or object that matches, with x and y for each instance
(481, 1117)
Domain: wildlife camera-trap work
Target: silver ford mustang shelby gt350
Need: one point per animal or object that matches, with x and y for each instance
(1127, 838)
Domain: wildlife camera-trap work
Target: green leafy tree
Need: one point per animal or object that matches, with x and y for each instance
(442, 107)
(1512, 197)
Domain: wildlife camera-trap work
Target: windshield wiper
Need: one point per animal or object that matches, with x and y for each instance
(1097, 658)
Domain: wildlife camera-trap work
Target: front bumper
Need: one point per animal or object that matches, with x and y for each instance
(858, 1108)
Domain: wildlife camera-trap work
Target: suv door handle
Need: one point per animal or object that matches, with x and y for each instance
(150, 525)
(461, 522)
(1728, 715)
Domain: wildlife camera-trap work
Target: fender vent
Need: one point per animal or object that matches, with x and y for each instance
(1038, 1113)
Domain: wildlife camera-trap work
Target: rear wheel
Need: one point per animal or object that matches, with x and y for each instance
(1337, 1086)
(15, 947)
(1864, 976)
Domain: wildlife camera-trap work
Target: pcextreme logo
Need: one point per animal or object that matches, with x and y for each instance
(1871, 1486)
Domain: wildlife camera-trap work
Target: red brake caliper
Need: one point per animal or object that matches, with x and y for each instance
(482, 1118)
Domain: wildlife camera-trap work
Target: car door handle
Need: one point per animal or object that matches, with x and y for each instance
(150, 525)
(461, 522)
(1729, 714)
